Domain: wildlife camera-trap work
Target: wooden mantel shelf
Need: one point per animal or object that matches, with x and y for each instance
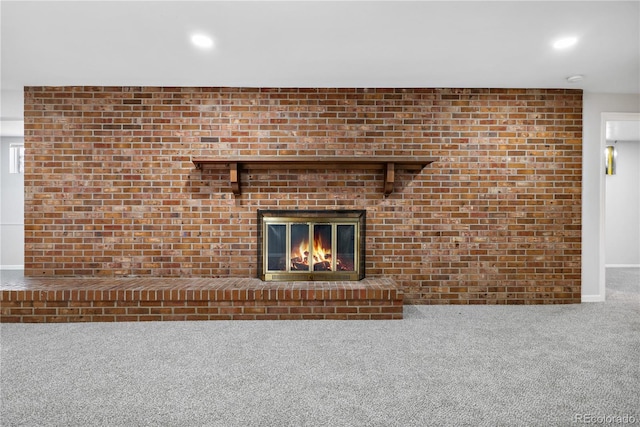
(388, 164)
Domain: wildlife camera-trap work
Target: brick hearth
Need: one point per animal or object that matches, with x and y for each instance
(39, 300)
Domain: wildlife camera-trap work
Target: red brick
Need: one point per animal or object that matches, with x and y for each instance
(508, 163)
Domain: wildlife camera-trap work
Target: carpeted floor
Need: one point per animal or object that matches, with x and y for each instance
(441, 366)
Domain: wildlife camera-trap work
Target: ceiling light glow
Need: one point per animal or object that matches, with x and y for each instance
(565, 42)
(202, 41)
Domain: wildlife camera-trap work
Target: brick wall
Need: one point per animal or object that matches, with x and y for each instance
(111, 190)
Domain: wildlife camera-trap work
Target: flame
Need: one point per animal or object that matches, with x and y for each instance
(320, 252)
(303, 251)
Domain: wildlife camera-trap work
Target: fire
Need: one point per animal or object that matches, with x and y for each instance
(321, 256)
(303, 252)
(320, 252)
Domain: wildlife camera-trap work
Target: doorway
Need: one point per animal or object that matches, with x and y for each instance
(619, 195)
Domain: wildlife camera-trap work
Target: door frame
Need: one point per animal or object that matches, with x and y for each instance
(606, 117)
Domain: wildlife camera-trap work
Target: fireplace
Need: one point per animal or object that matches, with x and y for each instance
(311, 245)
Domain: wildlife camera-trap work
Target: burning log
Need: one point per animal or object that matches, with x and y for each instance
(322, 266)
(340, 266)
(298, 263)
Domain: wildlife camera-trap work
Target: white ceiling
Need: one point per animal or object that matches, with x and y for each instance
(319, 44)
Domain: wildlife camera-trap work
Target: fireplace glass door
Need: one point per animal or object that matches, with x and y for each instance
(311, 245)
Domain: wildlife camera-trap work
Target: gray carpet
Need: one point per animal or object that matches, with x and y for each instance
(441, 366)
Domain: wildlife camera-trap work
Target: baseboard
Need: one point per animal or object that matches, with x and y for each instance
(11, 267)
(622, 265)
(592, 298)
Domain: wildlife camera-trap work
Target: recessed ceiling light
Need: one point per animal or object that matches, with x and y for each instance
(565, 42)
(202, 41)
(575, 78)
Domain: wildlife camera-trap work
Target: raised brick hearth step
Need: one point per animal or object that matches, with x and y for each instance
(66, 299)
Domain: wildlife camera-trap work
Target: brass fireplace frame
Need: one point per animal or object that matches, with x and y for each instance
(312, 217)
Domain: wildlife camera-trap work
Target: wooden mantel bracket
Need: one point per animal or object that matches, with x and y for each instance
(234, 178)
(389, 177)
(389, 164)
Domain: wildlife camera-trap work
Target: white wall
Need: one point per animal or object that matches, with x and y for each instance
(11, 105)
(11, 210)
(595, 104)
(622, 211)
